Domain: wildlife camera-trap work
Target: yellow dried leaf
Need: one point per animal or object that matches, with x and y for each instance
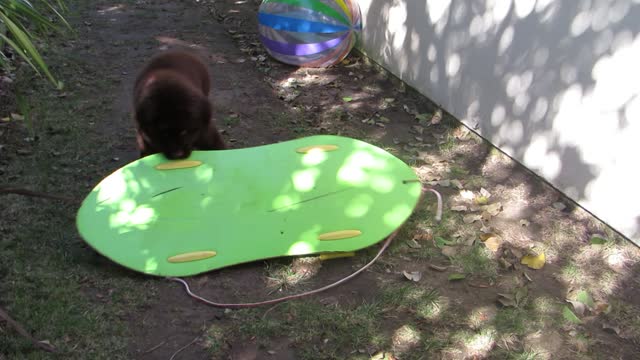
(493, 243)
(482, 200)
(534, 261)
(486, 236)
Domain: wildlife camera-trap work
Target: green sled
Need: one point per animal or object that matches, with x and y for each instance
(318, 194)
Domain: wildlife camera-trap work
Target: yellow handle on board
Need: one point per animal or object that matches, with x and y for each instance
(191, 256)
(178, 164)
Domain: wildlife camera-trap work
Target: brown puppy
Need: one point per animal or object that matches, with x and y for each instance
(171, 108)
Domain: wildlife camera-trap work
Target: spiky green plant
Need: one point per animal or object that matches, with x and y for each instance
(22, 23)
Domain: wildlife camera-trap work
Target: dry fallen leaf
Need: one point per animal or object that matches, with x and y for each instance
(425, 235)
(437, 268)
(493, 243)
(486, 216)
(407, 110)
(485, 193)
(467, 194)
(449, 251)
(504, 263)
(493, 209)
(559, 206)
(534, 261)
(383, 356)
(516, 253)
(459, 208)
(578, 307)
(507, 300)
(414, 244)
(47, 344)
(485, 236)
(481, 286)
(471, 218)
(602, 308)
(457, 184)
(413, 276)
(436, 118)
(616, 329)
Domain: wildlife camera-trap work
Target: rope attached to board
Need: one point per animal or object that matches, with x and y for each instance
(385, 245)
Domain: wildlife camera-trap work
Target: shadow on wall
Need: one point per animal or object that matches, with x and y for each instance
(555, 84)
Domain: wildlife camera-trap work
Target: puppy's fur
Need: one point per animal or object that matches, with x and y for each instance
(172, 111)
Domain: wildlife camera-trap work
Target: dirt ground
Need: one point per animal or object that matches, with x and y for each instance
(496, 213)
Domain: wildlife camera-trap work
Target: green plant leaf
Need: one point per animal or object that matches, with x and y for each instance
(25, 47)
(422, 117)
(21, 12)
(586, 299)
(16, 46)
(570, 316)
(455, 277)
(596, 240)
(58, 14)
(347, 99)
(16, 16)
(440, 242)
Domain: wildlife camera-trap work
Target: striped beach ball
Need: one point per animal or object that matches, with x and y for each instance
(310, 33)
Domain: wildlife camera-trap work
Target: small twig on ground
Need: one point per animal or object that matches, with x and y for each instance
(184, 347)
(269, 310)
(21, 330)
(19, 191)
(155, 347)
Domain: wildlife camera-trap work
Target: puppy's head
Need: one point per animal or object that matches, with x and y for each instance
(171, 116)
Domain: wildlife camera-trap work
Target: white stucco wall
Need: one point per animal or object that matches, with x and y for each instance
(555, 84)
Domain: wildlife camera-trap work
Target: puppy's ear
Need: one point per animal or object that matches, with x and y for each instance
(145, 112)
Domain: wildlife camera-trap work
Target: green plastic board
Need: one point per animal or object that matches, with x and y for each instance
(311, 195)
